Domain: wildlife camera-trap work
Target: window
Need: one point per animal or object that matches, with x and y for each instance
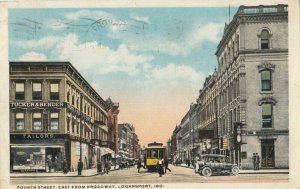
(68, 96)
(73, 99)
(266, 115)
(37, 121)
(54, 93)
(68, 124)
(266, 80)
(20, 92)
(36, 91)
(54, 121)
(20, 122)
(264, 39)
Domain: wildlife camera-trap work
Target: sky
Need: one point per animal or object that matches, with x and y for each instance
(153, 61)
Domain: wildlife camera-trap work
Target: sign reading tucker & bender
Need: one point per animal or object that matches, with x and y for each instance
(38, 104)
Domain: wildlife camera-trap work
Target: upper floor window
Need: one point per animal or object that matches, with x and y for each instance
(36, 91)
(20, 91)
(54, 121)
(267, 115)
(265, 39)
(54, 92)
(20, 121)
(266, 81)
(37, 121)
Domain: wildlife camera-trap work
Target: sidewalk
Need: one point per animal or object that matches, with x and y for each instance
(85, 173)
(249, 171)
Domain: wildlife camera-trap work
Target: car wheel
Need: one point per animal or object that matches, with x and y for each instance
(235, 170)
(206, 171)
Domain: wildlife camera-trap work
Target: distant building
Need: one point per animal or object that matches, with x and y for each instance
(54, 114)
(207, 128)
(113, 113)
(128, 141)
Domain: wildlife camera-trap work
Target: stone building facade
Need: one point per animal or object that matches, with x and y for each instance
(54, 115)
(243, 105)
(207, 127)
(253, 86)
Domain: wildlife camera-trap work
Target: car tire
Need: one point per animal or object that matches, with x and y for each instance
(234, 170)
(206, 171)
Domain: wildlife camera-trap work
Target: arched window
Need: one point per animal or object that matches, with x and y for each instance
(264, 39)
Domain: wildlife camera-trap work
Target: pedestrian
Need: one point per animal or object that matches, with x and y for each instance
(254, 161)
(160, 168)
(139, 165)
(99, 167)
(79, 167)
(145, 160)
(166, 162)
(49, 162)
(257, 161)
(106, 167)
(64, 166)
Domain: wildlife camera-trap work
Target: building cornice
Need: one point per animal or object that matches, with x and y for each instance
(242, 18)
(66, 68)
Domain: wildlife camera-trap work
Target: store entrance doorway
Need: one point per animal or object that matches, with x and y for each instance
(267, 153)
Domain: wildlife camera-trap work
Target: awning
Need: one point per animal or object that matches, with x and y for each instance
(105, 151)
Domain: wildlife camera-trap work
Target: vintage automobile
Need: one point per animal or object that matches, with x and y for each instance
(209, 164)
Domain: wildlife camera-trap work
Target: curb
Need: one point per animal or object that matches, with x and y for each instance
(95, 174)
(267, 172)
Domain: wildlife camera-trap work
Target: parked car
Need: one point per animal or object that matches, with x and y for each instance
(209, 164)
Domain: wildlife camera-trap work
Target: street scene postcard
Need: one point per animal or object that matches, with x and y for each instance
(145, 94)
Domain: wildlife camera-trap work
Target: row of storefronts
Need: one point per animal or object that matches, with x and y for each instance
(56, 117)
(242, 108)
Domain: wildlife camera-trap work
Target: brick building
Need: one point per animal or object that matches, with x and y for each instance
(54, 114)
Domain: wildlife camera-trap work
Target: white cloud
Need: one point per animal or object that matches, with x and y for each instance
(173, 72)
(209, 32)
(144, 19)
(91, 55)
(56, 24)
(178, 44)
(46, 42)
(87, 14)
(33, 56)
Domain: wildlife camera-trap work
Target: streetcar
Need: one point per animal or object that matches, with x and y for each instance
(153, 153)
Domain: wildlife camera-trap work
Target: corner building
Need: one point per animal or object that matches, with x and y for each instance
(253, 86)
(54, 114)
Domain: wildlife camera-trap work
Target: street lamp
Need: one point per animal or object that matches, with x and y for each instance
(238, 139)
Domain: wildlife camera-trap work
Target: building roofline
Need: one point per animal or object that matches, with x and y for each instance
(241, 13)
(62, 63)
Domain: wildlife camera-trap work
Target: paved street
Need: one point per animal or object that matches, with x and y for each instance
(178, 174)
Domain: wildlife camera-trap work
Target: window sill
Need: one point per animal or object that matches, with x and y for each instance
(37, 131)
(18, 131)
(268, 129)
(266, 92)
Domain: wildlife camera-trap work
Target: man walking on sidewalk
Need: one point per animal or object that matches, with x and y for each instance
(166, 162)
(254, 161)
(79, 167)
(257, 161)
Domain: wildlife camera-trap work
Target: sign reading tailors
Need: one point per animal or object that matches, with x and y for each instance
(37, 104)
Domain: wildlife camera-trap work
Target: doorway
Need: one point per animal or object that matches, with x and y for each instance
(267, 153)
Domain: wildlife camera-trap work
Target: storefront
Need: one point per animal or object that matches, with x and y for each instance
(36, 152)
